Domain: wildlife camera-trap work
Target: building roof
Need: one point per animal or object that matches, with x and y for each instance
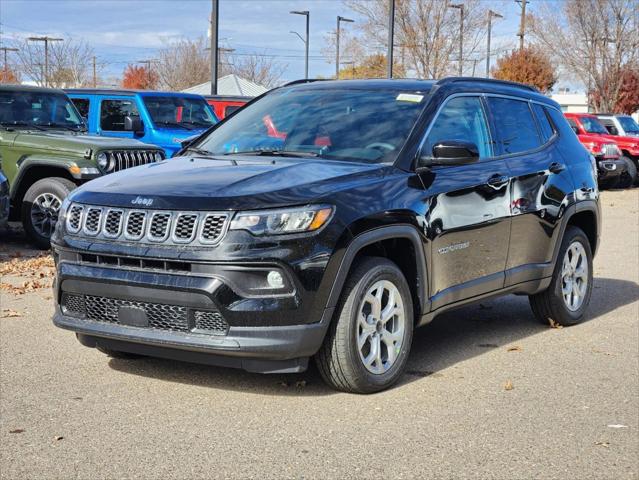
(230, 85)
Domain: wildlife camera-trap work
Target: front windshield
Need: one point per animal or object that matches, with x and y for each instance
(39, 110)
(629, 125)
(187, 113)
(592, 125)
(339, 124)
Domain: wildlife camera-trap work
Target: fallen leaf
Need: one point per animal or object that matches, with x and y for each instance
(8, 313)
(508, 385)
(515, 348)
(17, 430)
(58, 437)
(554, 324)
(618, 426)
(603, 444)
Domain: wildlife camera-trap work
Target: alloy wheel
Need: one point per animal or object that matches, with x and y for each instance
(380, 327)
(574, 276)
(44, 214)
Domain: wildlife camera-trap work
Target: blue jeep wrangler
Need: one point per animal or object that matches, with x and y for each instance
(164, 119)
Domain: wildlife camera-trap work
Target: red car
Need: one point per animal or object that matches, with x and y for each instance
(614, 169)
(224, 105)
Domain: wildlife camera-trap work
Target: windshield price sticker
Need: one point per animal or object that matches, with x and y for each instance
(409, 97)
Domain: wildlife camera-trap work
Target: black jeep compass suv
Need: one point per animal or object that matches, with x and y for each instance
(328, 219)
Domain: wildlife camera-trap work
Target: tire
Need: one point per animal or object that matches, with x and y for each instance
(550, 306)
(340, 360)
(629, 177)
(118, 354)
(56, 189)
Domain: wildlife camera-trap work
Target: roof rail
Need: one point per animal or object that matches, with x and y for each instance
(446, 80)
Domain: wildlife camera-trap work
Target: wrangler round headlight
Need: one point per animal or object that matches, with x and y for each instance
(103, 161)
(159, 157)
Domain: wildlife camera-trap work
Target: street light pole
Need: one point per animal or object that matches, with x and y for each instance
(460, 7)
(491, 15)
(215, 5)
(46, 41)
(391, 35)
(307, 14)
(339, 19)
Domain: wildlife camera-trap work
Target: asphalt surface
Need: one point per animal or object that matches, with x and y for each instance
(572, 412)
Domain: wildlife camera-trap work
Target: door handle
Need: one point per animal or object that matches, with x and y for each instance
(497, 180)
(556, 167)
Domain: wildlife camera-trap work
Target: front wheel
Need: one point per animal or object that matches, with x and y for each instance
(566, 299)
(629, 177)
(40, 208)
(367, 345)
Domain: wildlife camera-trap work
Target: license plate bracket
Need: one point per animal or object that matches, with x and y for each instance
(132, 316)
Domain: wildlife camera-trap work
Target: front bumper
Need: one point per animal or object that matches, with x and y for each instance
(610, 168)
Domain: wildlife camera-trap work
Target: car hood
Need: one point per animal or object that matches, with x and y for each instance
(623, 141)
(74, 142)
(223, 183)
(596, 137)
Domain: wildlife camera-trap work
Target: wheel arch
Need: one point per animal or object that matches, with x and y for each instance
(586, 216)
(33, 172)
(401, 244)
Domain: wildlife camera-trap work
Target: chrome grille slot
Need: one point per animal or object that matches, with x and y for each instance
(213, 228)
(113, 223)
(134, 229)
(74, 218)
(159, 226)
(184, 229)
(124, 159)
(610, 150)
(92, 221)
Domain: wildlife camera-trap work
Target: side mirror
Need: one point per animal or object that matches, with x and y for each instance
(133, 124)
(450, 152)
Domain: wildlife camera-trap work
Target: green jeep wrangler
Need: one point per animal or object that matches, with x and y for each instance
(45, 153)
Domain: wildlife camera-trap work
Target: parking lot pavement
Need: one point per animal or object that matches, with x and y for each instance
(489, 393)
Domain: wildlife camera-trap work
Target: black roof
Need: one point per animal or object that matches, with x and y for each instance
(29, 88)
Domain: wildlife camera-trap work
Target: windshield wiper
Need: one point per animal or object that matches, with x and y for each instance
(200, 124)
(276, 153)
(21, 124)
(174, 124)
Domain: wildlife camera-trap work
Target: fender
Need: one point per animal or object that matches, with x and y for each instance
(374, 236)
(580, 206)
(26, 163)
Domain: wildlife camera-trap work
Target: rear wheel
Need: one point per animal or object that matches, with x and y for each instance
(566, 299)
(629, 177)
(40, 208)
(367, 345)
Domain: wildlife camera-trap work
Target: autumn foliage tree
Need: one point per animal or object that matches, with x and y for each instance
(628, 96)
(7, 75)
(529, 66)
(372, 66)
(139, 78)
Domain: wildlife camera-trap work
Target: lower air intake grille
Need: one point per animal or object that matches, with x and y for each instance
(160, 316)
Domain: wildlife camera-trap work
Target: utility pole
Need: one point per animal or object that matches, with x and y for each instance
(6, 65)
(307, 14)
(522, 23)
(460, 6)
(339, 19)
(491, 15)
(391, 35)
(95, 75)
(215, 6)
(46, 41)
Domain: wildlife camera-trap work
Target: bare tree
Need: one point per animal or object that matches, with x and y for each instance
(70, 62)
(261, 69)
(426, 32)
(592, 40)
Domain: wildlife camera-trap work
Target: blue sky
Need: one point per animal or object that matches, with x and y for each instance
(123, 31)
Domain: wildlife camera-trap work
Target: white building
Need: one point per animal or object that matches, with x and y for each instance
(230, 85)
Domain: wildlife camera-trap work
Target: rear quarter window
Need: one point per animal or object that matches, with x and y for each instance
(516, 130)
(82, 104)
(545, 128)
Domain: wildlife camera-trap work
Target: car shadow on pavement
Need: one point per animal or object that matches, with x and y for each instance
(453, 337)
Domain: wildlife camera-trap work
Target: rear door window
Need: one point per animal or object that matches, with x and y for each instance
(113, 112)
(515, 127)
(82, 104)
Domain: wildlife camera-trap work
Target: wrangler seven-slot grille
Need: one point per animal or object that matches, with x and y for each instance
(158, 315)
(147, 226)
(123, 159)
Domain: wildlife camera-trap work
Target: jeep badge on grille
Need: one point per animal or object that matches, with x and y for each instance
(147, 202)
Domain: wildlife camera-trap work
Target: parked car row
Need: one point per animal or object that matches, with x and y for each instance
(614, 142)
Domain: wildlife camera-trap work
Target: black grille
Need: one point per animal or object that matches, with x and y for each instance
(92, 222)
(75, 218)
(159, 228)
(135, 224)
(213, 227)
(74, 305)
(159, 315)
(113, 223)
(185, 226)
(210, 321)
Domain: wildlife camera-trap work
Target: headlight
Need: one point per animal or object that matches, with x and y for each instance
(62, 213)
(159, 157)
(282, 221)
(103, 161)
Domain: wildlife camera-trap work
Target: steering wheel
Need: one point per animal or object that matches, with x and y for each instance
(384, 147)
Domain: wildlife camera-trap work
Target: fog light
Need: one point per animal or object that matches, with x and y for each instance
(275, 279)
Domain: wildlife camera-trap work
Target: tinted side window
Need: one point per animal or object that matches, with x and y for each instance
(112, 113)
(463, 119)
(82, 104)
(515, 127)
(230, 109)
(542, 120)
